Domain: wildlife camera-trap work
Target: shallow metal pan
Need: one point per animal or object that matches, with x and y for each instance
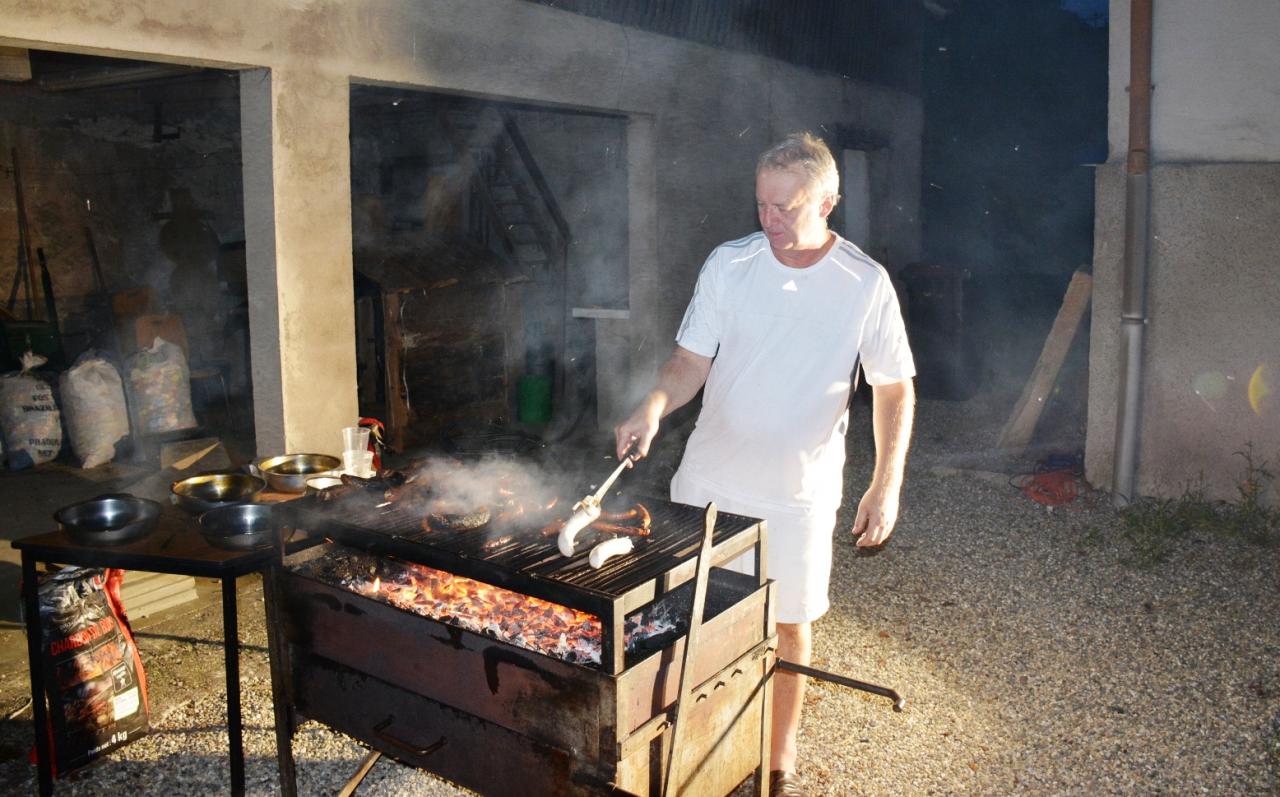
(208, 491)
(239, 527)
(289, 473)
(109, 519)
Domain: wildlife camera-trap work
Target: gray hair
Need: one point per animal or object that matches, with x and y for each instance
(809, 154)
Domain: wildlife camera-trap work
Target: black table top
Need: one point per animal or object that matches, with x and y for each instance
(175, 546)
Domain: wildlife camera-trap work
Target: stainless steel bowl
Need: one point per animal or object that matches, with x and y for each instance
(289, 473)
(239, 527)
(212, 490)
(109, 519)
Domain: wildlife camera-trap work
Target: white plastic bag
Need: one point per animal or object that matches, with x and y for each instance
(29, 417)
(97, 416)
(161, 388)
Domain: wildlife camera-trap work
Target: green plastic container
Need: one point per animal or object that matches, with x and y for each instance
(534, 399)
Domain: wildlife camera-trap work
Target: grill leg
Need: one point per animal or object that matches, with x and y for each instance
(358, 778)
(766, 728)
(231, 648)
(281, 694)
(31, 603)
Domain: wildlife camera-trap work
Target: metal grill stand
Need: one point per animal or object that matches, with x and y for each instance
(439, 697)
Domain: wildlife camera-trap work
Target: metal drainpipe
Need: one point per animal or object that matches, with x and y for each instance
(1137, 221)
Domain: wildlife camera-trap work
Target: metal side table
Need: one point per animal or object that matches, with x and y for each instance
(176, 547)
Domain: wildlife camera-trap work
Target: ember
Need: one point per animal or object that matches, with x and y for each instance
(521, 620)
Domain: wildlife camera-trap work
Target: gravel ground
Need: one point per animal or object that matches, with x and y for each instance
(1032, 660)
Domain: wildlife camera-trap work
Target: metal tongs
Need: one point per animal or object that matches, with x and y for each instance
(587, 511)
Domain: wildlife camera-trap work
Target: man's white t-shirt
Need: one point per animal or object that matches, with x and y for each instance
(786, 342)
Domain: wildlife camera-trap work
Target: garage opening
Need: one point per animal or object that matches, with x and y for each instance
(489, 237)
(121, 224)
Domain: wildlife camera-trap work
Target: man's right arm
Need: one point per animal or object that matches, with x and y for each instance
(680, 379)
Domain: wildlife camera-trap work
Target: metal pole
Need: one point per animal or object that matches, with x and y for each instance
(1133, 308)
(231, 662)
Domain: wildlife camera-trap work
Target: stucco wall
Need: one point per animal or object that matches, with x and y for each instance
(1212, 303)
(698, 116)
(1213, 280)
(1215, 69)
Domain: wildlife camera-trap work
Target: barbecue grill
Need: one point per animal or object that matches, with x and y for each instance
(504, 720)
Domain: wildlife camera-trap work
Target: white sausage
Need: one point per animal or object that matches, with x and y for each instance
(609, 549)
(584, 514)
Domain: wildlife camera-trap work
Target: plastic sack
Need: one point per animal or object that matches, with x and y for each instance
(96, 413)
(161, 388)
(29, 417)
(94, 681)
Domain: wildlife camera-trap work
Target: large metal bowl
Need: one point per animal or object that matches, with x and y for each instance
(289, 473)
(240, 527)
(109, 519)
(212, 490)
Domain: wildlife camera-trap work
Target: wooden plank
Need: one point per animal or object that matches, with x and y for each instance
(15, 64)
(393, 350)
(146, 593)
(1021, 425)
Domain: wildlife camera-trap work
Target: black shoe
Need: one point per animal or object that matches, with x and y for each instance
(785, 784)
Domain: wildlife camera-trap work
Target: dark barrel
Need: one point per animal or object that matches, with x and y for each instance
(939, 331)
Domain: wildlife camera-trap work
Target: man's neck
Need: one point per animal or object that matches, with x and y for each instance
(803, 258)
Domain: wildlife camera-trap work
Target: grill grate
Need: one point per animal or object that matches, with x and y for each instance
(528, 556)
(530, 563)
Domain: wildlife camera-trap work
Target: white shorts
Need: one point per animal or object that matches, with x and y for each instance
(799, 548)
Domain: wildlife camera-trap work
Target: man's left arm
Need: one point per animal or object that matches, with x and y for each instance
(892, 410)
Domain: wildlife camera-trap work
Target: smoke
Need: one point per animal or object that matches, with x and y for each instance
(491, 479)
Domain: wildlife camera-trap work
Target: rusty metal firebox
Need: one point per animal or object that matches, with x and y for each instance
(503, 720)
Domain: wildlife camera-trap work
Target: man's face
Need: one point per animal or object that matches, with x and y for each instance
(791, 217)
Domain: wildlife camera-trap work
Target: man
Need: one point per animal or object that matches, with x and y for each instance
(776, 329)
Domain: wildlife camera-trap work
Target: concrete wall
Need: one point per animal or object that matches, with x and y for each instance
(1214, 281)
(697, 117)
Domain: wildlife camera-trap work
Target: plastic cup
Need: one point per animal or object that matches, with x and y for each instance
(358, 463)
(355, 438)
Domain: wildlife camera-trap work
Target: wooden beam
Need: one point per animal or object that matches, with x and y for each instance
(1021, 425)
(398, 412)
(15, 64)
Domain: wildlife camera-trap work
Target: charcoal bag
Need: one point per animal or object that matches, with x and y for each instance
(94, 681)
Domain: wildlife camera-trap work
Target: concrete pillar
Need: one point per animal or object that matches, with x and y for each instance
(297, 207)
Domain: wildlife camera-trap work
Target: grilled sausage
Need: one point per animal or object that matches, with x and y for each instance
(637, 516)
(608, 549)
(553, 528)
(621, 517)
(496, 542)
(585, 512)
(617, 528)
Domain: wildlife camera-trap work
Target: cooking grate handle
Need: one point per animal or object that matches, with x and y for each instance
(380, 730)
(898, 701)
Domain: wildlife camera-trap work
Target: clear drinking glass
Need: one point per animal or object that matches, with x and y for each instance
(355, 438)
(358, 463)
